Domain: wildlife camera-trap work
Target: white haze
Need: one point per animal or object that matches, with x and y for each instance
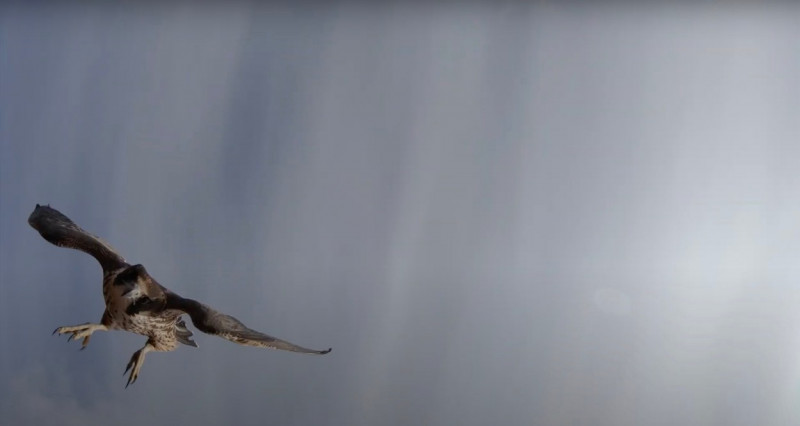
(494, 214)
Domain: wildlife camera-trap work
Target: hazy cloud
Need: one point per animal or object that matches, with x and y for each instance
(495, 215)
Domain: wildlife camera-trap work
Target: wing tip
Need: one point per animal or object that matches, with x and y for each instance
(43, 214)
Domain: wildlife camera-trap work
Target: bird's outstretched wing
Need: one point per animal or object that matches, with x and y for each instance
(216, 323)
(61, 231)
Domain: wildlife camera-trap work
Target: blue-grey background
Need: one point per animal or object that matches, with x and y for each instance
(495, 214)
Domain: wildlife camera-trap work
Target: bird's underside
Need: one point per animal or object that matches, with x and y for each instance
(137, 303)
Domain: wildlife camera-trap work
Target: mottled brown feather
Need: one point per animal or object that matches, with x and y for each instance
(61, 231)
(216, 323)
(155, 311)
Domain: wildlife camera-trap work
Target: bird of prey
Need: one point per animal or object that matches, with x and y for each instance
(136, 302)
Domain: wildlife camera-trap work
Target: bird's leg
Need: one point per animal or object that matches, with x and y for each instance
(136, 362)
(81, 331)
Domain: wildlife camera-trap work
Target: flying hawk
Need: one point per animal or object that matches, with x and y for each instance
(136, 302)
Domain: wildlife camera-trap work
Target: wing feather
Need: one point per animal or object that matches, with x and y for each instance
(216, 323)
(58, 229)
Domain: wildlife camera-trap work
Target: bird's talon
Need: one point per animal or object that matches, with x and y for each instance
(132, 378)
(83, 331)
(135, 364)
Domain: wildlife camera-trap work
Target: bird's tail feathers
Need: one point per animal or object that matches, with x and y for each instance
(183, 334)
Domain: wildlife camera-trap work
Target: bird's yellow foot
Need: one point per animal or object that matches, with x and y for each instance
(83, 331)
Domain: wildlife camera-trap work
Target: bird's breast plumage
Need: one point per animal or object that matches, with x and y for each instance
(159, 326)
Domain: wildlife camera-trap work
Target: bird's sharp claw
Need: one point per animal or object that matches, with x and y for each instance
(133, 366)
(83, 331)
(132, 378)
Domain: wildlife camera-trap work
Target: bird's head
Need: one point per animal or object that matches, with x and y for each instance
(140, 289)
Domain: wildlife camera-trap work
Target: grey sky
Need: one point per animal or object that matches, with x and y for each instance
(495, 215)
